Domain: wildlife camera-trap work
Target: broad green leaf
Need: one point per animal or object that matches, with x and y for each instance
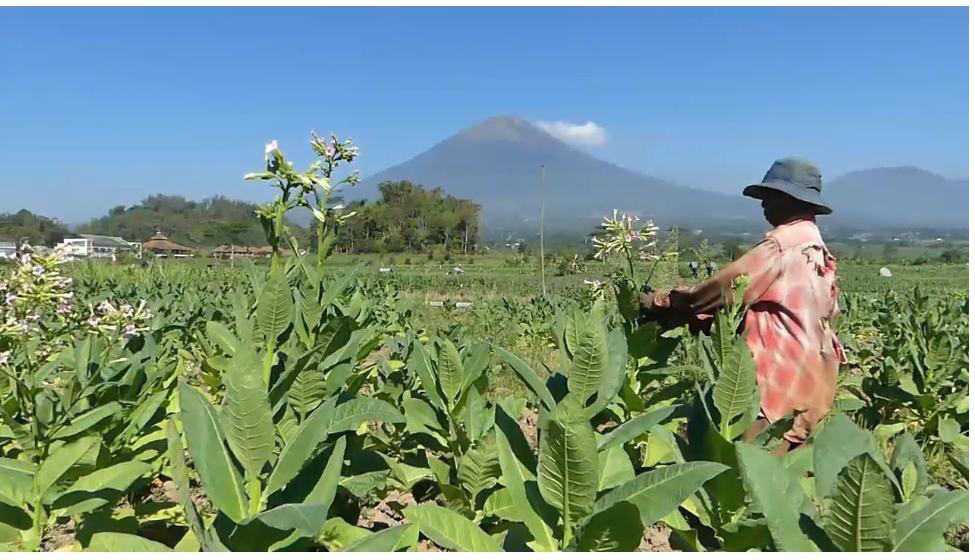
(450, 530)
(479, 470)
(948, 429)
(324, 490)
(204, 440)
(613, 372)
(450, 370)
(144, 413)
(574, 324)
(307, 392)
(476, 360)
(275, 308)
(568, 464)
(305, 519)
(765, 479)
(614, 467)
(500, 504)
(16, 479)
(338, 287)
(181, 477)
(84, 422)
(94, 490)
(123, 542)
(924, 529)
(351, 414)
(407, 474)
(528, 376)
(13, 520)
(908, 460)
(453, 495)
(363, 485)
(337, 534)
(223, 337)
(59, 462)
(636, 427)
(529, 507)
(589, 361)
(298, 449)
(419, 365)
(474, 414)
(723, 336)
(393, 539)
(736, 386)
(860, 517)
(246, 414)
(422, 419)
(616, 529)
(839, 441)
(660, 491)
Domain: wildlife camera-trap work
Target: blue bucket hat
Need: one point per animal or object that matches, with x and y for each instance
(796, 178)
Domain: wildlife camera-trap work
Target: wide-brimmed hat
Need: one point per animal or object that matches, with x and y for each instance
(796, 178)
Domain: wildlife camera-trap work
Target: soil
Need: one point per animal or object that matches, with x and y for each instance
(427, 546)
(387, 513)
(61, 536)
(656, 538)
(529, 426)
(957, 537)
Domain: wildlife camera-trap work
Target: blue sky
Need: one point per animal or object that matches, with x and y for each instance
(100, 107)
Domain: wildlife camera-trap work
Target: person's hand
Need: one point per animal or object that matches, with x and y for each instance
(700, 324)
(655, 306)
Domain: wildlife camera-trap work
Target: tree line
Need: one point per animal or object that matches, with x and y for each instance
(409, 218)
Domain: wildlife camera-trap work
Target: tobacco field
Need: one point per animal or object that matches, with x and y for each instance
(296, 405)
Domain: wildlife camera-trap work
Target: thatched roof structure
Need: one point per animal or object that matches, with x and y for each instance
(160, 242)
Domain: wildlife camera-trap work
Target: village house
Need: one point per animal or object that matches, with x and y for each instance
(8, 250)
(162, 247)
(98, 247)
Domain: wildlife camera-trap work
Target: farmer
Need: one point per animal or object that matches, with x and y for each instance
(790, 298)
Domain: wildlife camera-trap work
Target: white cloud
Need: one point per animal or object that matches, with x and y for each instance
(587, 134)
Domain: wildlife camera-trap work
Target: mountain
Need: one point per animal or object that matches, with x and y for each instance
(898, 197)
(497, 163)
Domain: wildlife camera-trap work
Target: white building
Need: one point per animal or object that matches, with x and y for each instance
(98, 247)
(8, 250)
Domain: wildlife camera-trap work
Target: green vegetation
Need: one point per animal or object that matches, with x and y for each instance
(409, 218)
(314, 403)
(208, 223)
(37, 229)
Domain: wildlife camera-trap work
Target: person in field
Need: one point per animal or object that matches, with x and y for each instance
(791, 295)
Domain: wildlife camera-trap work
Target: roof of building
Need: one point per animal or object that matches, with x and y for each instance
(248, 249)
(162, 243)
(107, 241)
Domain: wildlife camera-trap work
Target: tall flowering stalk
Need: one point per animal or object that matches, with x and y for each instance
(635, 240)
(35, 290)
(630, 237)
(309, 189)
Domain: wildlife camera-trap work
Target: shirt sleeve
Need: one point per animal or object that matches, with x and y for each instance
(760, 265)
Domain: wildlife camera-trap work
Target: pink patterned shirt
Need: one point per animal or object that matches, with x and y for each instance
(791, 295)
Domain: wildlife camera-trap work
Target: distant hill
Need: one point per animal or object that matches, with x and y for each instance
(207, 223)
(898, 197)
(497, 163)
(38, 229)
